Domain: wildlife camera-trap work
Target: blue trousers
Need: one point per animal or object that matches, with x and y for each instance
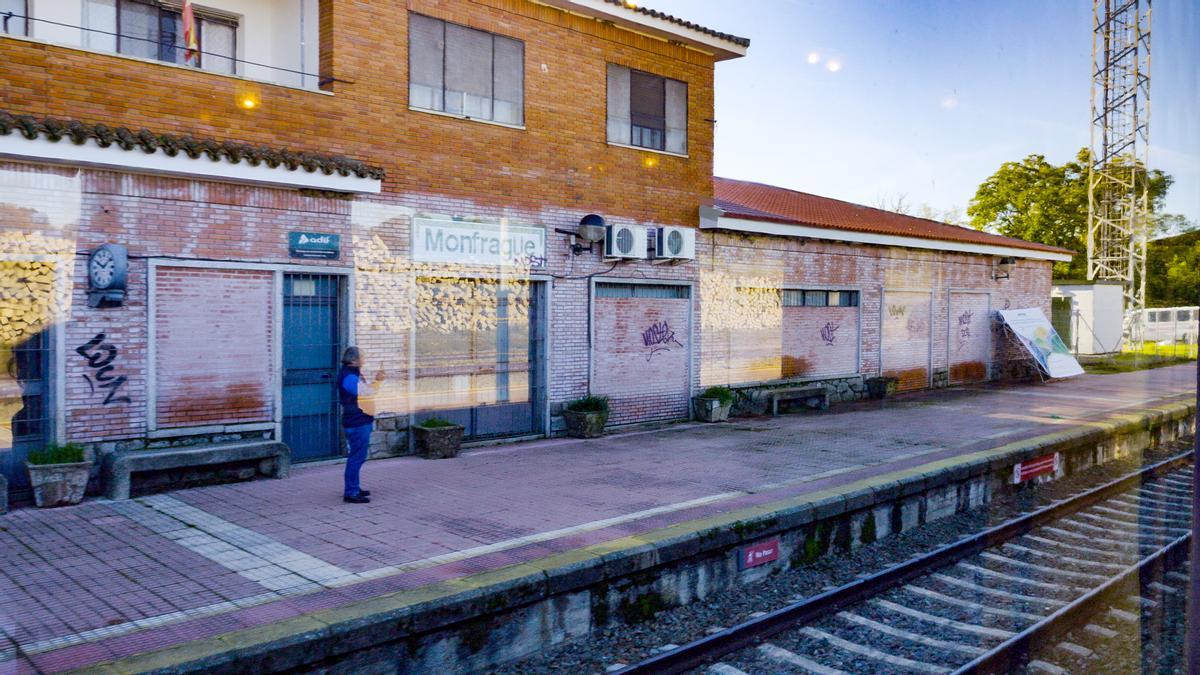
(358, 440)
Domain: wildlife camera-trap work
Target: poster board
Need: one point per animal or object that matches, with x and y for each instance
(1040, 339)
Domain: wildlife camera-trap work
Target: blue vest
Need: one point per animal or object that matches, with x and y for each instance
(352, 415)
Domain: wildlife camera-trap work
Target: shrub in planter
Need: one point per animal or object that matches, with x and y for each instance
(878, 387)
(586, 417)
(436, 438)
(713, 404)
(58, 474)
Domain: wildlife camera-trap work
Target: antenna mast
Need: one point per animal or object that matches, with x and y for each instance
(1118, 190)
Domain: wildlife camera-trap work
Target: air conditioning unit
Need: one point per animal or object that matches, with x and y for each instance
(674, 243)
(625, 242)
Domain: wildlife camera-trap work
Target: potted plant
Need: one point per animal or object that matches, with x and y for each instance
(58, 474)
(878, 387)
(713, 404)
(437, 438)
(586, 417)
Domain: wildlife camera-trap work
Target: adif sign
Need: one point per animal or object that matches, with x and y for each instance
(489, 244)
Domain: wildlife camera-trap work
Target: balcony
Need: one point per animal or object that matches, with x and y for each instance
(273, 41)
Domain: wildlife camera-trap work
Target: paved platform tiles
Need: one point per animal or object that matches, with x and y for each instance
(109, 580)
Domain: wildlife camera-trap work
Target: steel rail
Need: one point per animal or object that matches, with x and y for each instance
(709, 648)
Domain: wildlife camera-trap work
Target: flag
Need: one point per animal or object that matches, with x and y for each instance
(191, 40)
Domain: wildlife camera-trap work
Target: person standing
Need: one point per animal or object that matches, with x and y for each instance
(356, 422)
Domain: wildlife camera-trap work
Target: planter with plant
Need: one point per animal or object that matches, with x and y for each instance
(436, 438)
(713, 404)
(879, 387)
(586, 417)
(58, 475)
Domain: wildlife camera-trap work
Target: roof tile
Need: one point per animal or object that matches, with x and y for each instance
(756, 201)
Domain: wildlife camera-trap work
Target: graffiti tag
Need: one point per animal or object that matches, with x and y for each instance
(897, 311)
(964, 329)
(100, 356)
(659, 338)
(829, 332)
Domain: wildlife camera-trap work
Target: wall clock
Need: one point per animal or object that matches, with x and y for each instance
(107, 269)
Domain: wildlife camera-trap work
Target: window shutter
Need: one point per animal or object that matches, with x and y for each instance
(618, 105)
(647, 100)
(139, 30)
(101, 17)
(217, 41)
(676, 105)
(510, 81)
(426, 52)
(468, 72)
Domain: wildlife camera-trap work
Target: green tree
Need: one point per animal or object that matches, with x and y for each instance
(1035, 200)
(1173, 269)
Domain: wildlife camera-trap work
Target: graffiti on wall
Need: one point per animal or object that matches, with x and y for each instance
(964, 329)
(918, 326)
(897, 311)
(829, 332)
(100, 356)
(659, 338)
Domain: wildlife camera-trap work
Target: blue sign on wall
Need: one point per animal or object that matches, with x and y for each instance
(314, 245)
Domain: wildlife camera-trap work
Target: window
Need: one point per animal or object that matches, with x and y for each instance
(1164, 316)
(641, 291)
(647, 111)
(13, 15)
(463, 71)
(796, 298)
(1183, 315)
(153, 31)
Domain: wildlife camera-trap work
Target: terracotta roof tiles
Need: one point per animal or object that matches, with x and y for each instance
(756, 201)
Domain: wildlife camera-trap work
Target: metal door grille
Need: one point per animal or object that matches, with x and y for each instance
(312, 343)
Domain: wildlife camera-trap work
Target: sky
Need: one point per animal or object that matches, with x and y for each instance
(926, 99)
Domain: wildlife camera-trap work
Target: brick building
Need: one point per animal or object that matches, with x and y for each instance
(411, 177)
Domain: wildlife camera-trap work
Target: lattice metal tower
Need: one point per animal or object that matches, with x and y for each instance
(1118, 198)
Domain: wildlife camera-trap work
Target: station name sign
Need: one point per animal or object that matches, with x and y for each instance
(487, 244)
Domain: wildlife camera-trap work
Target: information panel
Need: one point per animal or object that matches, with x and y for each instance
(1034, 331)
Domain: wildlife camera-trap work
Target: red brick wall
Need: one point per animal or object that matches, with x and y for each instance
(560, 158)
(214, 354)
(643, 381)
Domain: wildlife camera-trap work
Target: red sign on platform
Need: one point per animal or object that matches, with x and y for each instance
(1039, 466)
(759, 554)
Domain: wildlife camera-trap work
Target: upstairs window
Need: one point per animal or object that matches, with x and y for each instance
(13, 15)
(646, 111)
(153, 31)
(465, 72)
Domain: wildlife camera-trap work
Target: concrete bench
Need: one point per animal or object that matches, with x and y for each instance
(275, 460)
(815, 397)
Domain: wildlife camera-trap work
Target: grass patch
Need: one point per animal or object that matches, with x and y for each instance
(57, 454)
(437, 423)
(589, 404)
(722, 394)
(1127, 362)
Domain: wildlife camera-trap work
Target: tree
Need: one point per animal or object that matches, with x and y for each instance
(1173, 268)
(1047, 203)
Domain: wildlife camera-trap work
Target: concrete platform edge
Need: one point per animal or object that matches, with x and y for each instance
(317, 638)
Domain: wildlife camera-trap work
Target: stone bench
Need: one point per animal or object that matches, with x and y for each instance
(274, 460)
(815, 397)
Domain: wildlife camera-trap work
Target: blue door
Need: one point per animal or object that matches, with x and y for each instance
(24, 406)
(312, 330)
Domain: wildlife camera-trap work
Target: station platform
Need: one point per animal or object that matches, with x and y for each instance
(183, 579)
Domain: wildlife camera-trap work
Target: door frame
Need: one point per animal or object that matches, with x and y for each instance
(882, 318)
(275, 424)
(644, 281)
(950, 329)
(56, 365)
(546, 286)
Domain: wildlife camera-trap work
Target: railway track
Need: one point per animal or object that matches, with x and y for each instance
(983, 603)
